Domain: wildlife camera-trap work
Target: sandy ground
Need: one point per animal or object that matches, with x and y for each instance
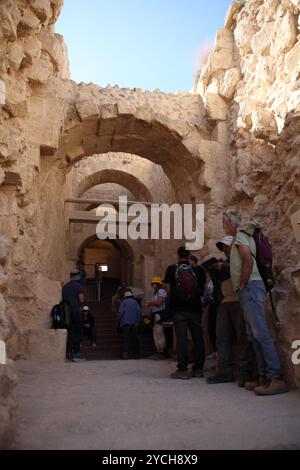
(134, 405)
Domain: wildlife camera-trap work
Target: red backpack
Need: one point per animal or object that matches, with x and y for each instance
(186, 283)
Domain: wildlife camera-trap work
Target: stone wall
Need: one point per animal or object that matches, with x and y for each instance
(234, 142)
(251, 90)
(8, 403)
(46, 122)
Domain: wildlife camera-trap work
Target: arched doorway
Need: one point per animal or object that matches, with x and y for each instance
(115, 256)
(117, 259)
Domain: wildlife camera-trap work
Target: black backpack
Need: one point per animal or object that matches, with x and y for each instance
(186, 283)
(61, 315)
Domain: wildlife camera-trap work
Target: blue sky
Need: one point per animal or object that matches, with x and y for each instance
(146, 44)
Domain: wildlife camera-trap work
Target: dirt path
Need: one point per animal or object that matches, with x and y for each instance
(134, 405)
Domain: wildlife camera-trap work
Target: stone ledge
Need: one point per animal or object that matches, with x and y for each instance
(8, 403)
(38, 344)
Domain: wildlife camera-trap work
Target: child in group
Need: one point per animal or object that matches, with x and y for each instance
(89, 328)
(157, 303)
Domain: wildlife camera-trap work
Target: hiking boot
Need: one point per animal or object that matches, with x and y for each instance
(158, 356)
(275, 387)
(261, 382)
(78, 357)
(243, 381)
(180, 374)
(219, 379)
(198, 373)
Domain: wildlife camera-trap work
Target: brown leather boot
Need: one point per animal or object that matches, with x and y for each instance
(260, 382)
(180, 374)
(275, 387)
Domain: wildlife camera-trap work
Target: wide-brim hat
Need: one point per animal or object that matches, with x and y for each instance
(157, 280)
(128, 294)
(75, 275)
(227, 241)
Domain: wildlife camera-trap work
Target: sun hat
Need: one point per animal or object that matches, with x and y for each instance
(157, 280)
(75, 274)
(227, 240)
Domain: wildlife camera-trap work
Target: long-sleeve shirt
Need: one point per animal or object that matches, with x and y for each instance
(129, 312)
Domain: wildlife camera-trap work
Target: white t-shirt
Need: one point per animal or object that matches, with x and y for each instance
(160, 294)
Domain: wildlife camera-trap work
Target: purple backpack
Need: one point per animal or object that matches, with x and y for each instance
(264, 255)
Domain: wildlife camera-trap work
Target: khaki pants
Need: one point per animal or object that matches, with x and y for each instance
(159, 335)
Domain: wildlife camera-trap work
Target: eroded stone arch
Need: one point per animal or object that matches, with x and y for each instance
(123, 178)
(156, 126)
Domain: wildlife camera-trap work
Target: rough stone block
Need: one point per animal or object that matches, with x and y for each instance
(124, 107)
(286, 34)
(28, 23)
(87, 109)
(243, 35)
(223, 40)
(264, 124)
(292, 59)
(16, 98)
(15, 55)
(2, 92)
(221, 60)
(295, 220)
(10, 227)
(261, 41)
(9, 18)
(216, 107)
(3, 280)
(229, 83)
(32, 51)
(5, 246)
(46, 120)
(2, 355)
(42, 344)
(40, 71)
(12, 179)
(42, 9)
(109, 110)
(8, 403)
(75, 154)
(232, 12)
(54, 45)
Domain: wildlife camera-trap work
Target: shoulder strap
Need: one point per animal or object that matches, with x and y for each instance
(251, 236)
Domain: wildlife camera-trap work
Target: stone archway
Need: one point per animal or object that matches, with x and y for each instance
(78, 234)
(123, 178)
(127, 255)
(158, 128)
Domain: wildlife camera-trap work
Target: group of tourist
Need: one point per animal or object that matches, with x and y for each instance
(233, 291)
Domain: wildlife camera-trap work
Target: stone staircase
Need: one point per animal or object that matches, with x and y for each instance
(109, 342)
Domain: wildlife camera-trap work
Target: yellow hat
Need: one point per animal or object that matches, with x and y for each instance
(157, 280)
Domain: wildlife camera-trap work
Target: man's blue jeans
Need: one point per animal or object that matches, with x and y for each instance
(252, 299)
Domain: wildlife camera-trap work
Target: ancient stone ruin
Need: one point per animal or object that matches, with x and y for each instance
(233, 141)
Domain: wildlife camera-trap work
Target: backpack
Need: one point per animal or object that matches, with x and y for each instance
(186, 283)
(264, 258)
(61, 315)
